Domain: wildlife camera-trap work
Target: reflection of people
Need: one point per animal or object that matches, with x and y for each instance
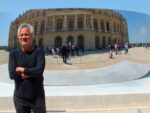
(26, 66)
(64, 53)
(126, 48)
(110, 47)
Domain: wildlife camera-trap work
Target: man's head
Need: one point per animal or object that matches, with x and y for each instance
(25, 34)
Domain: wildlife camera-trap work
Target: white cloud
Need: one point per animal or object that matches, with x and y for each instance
(2, 42)
(143, 32)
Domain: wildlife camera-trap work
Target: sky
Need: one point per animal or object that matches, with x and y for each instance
(138, 26)
(10, 9)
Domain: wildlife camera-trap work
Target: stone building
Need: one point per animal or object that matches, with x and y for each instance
(88, 28)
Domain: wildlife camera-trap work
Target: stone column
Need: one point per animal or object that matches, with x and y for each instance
(99, 26)
(54, 23)
(105, 27)
(39, 28)
(46, 26)
(76, 23)
(111, 27)
(65, 23)
(92, 26)
(84, 21)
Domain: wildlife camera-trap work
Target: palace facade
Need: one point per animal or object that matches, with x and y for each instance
(88, 28)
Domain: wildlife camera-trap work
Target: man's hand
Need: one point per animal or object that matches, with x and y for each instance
(20, 69)
(23, 76)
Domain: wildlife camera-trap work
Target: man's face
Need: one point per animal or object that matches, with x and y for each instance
(25, 37)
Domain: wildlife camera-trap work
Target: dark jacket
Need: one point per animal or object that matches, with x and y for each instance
(34, 64)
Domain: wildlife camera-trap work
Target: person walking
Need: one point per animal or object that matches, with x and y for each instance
(64, 53)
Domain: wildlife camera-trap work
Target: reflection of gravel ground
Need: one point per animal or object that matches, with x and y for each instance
(124, 71)
(88, 61)
(130, 93)
(57, 80)
(121, 72)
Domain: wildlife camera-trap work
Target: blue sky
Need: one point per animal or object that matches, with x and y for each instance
(10, 9)
(138, 26)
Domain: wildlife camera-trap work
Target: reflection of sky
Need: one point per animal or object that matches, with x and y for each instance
(138, 26)
(14, 8)
(4, 28)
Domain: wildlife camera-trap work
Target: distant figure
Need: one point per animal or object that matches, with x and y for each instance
(64, 53)
(60, 52)
(53, 51)
(26, 67)
(116, 48)
(49, 50)
(111, 48)
(119, 48)
(126, 47)
(146, 46)
(77, 50)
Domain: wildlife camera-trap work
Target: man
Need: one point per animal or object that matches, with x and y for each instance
(126, 48)
(26, 66)
(64, 53)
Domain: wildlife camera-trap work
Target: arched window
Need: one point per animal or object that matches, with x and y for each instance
(102, 25)
(70, 24)
(88, 21)
(42, 27)
(59, 24)
(70, 40)
(96, 42)
(58, 42)
(80, 42)
(103, 42)
(80, 23)
(50, 23)
(36, 28)
(108, 26)
(95, 24)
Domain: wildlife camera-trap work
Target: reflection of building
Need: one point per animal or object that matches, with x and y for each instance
(87, 28)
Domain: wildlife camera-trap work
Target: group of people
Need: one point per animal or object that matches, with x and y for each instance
(117, 49)
(147, 46)
(64, 52)
(71, 49)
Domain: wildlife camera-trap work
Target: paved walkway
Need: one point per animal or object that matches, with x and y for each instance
(127, 70)
(119, 78)
(96, 59)
(125, 74)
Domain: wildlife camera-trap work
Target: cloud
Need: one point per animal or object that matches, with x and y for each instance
(2, 42)
(142, 33)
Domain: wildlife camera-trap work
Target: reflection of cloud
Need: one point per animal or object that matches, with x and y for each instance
(2, 42)
(143, 33)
